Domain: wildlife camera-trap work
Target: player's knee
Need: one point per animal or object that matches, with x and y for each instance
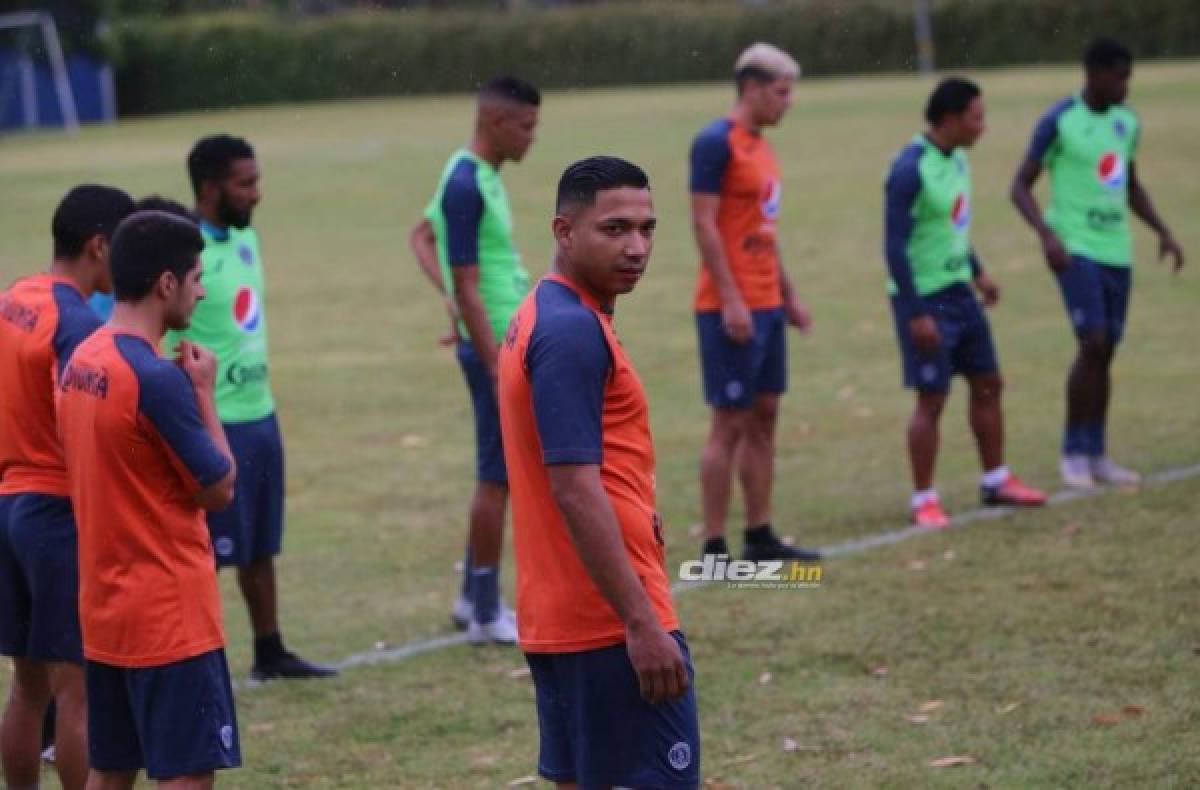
(929, 406)
(31, 682)
(986, 389)
(728, 427)
(1095, 348)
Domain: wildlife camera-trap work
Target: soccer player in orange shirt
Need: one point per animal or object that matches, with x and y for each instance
(744, 300)
(43, 319)
(613, 675)
(146, 457)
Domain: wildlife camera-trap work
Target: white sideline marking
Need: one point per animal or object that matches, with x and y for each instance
(402, 652)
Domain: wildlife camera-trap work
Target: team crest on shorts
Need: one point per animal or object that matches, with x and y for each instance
(227, 736)
(680, 755)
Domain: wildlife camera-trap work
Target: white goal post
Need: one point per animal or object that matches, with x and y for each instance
(44, 24)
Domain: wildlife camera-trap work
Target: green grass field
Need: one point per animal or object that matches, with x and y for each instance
(1026, 629)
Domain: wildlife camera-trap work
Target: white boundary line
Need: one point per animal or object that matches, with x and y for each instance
(890, 538)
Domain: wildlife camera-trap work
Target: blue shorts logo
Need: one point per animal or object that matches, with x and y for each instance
(227, 737)
(224, 546)
(680, 756)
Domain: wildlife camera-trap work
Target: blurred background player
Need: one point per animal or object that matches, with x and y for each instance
(146, 456)
(744, 301)
(232, 322)
(613, 677)
(941, 328)
(43, 319)
(465, 246)
(1089, 142)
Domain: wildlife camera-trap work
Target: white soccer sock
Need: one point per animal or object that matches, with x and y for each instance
(921, 497)
(995, 477)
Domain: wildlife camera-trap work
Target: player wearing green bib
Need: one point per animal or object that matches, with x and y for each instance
(464, 245)
(1089, 143)
(941, 328)
(231, 322)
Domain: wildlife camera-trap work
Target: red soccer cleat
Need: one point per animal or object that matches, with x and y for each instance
(1012, 492)
(930, 515)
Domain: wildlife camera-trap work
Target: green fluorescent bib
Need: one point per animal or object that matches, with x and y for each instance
(1089, 180)
(939, 249)
(503, 281)
(231, 322)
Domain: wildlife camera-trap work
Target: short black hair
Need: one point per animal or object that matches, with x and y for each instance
(86, 211)
(952, 96)
(1106, 53)
(581, 181)
(147, 244)
(160, 203)
(211, 157)
(513, 89)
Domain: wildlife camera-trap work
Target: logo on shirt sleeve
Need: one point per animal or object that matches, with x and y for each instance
(247, 310)
(1111, 171)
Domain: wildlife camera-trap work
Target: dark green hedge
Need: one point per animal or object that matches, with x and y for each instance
(226, 60)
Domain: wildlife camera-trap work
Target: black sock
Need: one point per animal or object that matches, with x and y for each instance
(760, 534)
(268, 649)
(716, 546)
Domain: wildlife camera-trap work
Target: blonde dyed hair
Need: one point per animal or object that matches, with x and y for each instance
(767, 58)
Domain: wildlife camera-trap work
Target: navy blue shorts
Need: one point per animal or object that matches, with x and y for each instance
(174, 720)
(966, 344)
(597, 730)
(251, 528)
(735, 374)
(1097, 297)
(489, 449)
(39, 579)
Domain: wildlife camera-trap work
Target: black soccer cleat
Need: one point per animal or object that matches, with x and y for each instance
(769, 547)
(290, 665)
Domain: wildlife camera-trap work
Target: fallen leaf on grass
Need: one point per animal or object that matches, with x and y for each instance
(764, 679)
(412, 440)
(519, 672)
(949, 555)
(1009, 708)
(1106, 719)
(789, 745)
(916, 718)
(741, 759)
(524, 780)
(1133, 711)
(695, 530)
(917, 565)
(950, 762)
(880, 671)
(931, 706)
